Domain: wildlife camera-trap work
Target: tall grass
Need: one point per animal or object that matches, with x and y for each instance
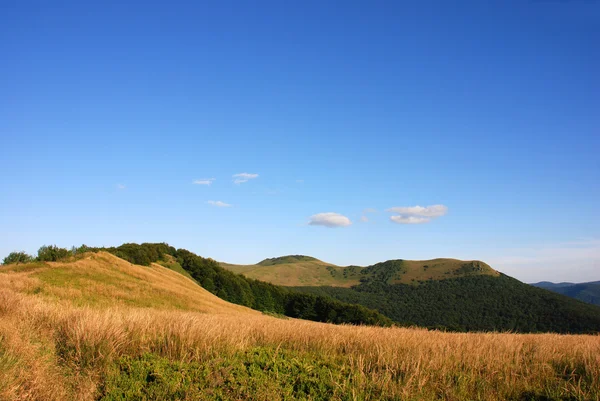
(54, 349)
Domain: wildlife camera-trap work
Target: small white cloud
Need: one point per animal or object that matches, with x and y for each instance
(364, 219)
(299, 181)
(218, 203)
(417, 214)
(243, 177)
(428, 211)
(121, 186)
(204, 181)
(370, 210)
(400, 219)
(329, 219)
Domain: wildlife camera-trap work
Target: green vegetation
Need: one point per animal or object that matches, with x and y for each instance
(476, 303)
(170, 262)
(298, 270)
(17, 257)
(586, 292)
(287, 259)
(255, 374)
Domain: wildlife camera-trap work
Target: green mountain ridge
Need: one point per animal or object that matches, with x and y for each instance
(300, 270)
(587, 292)
(287, 259)
(440, 293)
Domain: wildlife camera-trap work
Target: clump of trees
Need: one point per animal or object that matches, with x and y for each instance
(52, 253)
(17, 257)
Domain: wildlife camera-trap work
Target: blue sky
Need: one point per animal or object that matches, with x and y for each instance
(109, 111)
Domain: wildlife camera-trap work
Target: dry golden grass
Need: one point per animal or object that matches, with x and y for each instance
(104, 280)
(54, 348)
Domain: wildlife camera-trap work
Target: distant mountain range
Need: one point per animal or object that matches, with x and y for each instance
(586, 292)
(301, 270)
(447, 294)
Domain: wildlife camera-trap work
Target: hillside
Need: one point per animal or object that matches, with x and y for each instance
(586, 292)
(104, 280)
(476, 303)
(439, 293)
(97, 327)
(299, 270)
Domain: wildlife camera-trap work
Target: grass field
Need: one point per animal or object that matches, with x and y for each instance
(101, 328)
(299, 271)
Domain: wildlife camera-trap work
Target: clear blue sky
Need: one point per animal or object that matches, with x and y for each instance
(109, 111)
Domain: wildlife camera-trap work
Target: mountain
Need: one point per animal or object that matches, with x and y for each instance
(299, 270)
(441, 293)
(586, 292)
(91, 325)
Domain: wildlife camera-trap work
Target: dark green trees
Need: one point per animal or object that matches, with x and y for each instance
(51, 253)
(17, 257)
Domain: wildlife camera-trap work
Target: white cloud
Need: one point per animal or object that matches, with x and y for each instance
(329, 219)
(204, 181)
(299, 181)
(417, 214)
(400, 219)
(429, 211)
(243, 177)
(218, 203)
(121, 186)
(364, 219)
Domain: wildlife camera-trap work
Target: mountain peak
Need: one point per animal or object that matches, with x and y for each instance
(287, 259)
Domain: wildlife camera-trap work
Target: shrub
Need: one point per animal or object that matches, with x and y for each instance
(52, 253)
(17, 257)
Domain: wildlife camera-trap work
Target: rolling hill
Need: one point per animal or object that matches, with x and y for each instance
(97, 327)
(586, 292)
(441, 293)
(300, 270)
(104, 280)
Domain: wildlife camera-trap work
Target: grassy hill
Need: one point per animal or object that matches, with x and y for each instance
(104, 280)
(97, 327)
(299, 270)
(440, 293)
(586, 292)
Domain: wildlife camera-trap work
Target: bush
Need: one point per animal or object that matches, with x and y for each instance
(17, 257)
(52, 253)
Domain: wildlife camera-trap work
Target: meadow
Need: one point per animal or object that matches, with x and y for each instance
(100, 328)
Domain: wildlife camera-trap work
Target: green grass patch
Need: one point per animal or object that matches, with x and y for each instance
(255, 374)
(176, 267)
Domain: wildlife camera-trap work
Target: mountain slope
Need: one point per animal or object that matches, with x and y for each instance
(102, 279)
(476, 303)
(586, 292)
(299, 270)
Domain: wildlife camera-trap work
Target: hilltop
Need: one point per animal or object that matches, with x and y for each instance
(95, 326)
(287, 259)
(300, 270)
